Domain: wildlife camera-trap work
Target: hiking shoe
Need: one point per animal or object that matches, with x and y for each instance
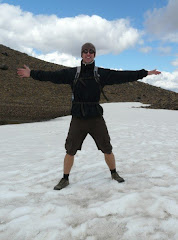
(116, 177)
(62, 184)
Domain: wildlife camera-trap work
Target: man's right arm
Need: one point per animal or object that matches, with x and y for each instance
(64, 76)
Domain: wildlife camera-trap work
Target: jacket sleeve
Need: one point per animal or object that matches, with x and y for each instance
(64, 76)
(109, 77)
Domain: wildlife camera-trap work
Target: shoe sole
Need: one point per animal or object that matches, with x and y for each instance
(56, 188)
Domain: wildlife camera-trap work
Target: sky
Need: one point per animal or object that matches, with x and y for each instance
(93, 206)
(128, 35)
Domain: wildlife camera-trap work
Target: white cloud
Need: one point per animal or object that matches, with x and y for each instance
(165, 80)
(175, 63)
(146, 49)
(61, 59)
(163, 22)
(23, 30)
(164, 50)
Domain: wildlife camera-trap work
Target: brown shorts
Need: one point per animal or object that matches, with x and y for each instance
(79, 128)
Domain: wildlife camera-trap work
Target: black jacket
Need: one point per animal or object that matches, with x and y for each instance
(87, 90)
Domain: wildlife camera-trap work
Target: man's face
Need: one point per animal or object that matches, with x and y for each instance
(88, 55)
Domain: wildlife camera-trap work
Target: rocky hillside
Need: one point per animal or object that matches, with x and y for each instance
(28, 100)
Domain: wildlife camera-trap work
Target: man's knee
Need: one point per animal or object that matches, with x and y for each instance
(108, 153)
(70, 155)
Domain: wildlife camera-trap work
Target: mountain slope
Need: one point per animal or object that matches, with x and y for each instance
(28, 100)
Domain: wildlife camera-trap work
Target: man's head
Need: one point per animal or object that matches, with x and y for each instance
(88, 52)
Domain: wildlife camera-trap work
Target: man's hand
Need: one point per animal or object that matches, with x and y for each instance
(23, 72)
(153, 72)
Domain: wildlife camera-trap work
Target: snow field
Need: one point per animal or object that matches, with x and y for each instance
(92, 207)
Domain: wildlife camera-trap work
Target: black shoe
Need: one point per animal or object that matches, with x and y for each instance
(62, 184)
(116, 177)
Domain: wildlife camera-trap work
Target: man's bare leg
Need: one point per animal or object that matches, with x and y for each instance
(68, 163)
(110, 160)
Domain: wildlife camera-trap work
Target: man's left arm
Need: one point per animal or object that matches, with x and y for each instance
(110, 77)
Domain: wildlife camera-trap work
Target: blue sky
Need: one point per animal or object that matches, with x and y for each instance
(128, 35)
(108, 9)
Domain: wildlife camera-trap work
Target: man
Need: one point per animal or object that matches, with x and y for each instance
(87, 114)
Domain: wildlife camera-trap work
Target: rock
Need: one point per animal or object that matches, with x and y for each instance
(4, 67)
(5, 53)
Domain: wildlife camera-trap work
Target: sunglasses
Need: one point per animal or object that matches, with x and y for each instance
(91, 51)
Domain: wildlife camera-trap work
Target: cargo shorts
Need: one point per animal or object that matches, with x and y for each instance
(79, 128)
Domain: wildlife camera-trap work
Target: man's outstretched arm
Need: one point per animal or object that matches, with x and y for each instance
(117, 76)
(63, 76)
